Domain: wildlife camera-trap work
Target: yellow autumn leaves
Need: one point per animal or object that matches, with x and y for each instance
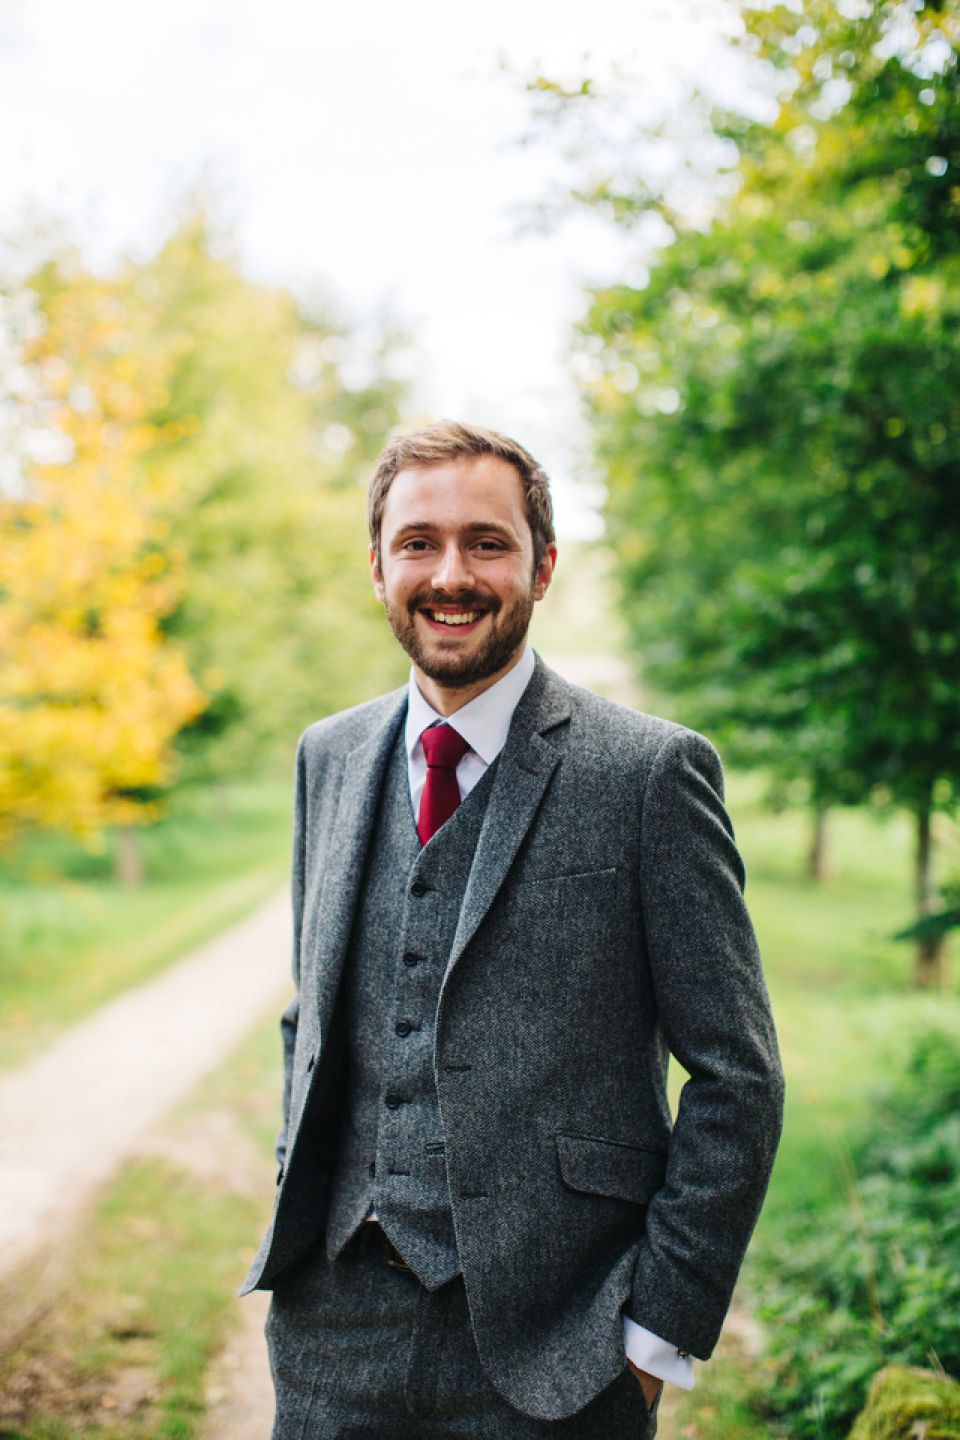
(174, 549)
(91, 693)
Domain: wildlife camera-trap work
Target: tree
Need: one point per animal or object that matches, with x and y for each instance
(91, 690)
(266, 445)
(777, 418)
(184, 582)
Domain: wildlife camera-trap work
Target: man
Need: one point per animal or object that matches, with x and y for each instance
(486, 1224)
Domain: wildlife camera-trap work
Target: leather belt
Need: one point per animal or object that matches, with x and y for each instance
(375, 1235)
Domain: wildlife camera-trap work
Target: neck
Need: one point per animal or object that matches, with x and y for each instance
(448, 699)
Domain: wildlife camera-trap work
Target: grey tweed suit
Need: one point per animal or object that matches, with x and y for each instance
(602, 927)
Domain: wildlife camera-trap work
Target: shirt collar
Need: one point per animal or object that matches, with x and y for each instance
(484, 721)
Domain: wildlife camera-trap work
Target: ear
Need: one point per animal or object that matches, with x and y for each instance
(376, 577)
(545, 573)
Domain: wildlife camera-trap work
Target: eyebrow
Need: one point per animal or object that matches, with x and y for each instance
(477, 527)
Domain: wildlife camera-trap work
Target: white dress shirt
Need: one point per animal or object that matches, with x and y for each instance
(484, 722)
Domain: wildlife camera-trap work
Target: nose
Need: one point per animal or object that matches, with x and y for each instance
(452, 571)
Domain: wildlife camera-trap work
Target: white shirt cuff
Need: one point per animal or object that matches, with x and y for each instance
(648, 1352)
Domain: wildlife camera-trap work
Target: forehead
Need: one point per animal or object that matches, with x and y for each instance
(456, 493)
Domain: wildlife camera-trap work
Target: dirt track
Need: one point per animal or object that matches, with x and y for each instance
(72, 1115)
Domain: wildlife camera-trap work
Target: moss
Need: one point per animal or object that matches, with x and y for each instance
(905, 1404)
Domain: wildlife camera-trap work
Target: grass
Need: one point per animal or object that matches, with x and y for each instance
(122, 1349)
(846, 1014)
(841, 988)
(71, 938)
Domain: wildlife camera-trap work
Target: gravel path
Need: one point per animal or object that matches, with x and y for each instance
(240, 1402)
(71, 1116)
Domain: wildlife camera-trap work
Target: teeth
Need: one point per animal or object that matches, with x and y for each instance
(466, 619)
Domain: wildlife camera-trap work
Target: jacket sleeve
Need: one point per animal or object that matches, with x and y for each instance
(715, 1016)
(291, 1015)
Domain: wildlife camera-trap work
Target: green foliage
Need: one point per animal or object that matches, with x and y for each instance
(874, 1280)
(265, 445)
(938, 924)
(777, 417)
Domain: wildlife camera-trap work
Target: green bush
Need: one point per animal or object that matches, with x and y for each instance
(873, 1281)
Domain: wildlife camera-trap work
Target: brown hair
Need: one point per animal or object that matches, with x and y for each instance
(451, 440)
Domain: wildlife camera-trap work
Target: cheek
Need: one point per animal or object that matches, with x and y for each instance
(401, 585)
(513, 583)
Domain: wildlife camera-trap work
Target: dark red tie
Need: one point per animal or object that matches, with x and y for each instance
(444, 750)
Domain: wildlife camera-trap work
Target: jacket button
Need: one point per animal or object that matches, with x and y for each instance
(418, 888)
(403, 1027)
(392, 1101)
(411, 959)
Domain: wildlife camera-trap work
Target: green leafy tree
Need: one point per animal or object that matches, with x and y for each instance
(265, 443)
(777, 417)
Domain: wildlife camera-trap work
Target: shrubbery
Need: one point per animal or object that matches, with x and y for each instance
(874, 1281)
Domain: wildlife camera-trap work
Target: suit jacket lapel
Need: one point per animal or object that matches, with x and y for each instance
(359, 793)
(527, 762)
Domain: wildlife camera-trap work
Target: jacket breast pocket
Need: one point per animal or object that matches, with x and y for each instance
(586, 907)
(610, 1167)
(586, 892)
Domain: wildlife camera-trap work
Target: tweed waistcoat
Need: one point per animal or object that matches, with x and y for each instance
(391, 1151)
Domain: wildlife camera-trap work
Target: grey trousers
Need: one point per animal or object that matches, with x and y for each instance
(359, 1349)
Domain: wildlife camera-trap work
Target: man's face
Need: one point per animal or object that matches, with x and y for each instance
(456, 569)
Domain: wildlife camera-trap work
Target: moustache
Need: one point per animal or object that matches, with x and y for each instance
(468, 599)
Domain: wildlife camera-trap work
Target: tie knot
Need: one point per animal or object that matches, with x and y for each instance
(443, 747)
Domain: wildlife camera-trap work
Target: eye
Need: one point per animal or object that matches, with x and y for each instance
(489, 546)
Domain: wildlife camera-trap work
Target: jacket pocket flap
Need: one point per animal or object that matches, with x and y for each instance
(610, 1167)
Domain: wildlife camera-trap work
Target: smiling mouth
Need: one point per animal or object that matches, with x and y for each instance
(466, 617)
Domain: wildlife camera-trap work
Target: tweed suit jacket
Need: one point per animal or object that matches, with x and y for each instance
(602, 928)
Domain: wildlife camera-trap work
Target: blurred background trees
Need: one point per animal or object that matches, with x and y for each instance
(266, 446)
(93, 691)
(776, 417)
(182, 585)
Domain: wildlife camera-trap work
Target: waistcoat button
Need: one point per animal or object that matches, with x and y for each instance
(418, 888)
(392, 1101)
(403, 1027)
(411, 959)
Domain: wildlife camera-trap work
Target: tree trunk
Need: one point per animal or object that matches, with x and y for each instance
(928, 965)
(817, 855)
(220, 800)
(128, 856)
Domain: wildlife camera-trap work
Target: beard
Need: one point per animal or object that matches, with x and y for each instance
(508, 629)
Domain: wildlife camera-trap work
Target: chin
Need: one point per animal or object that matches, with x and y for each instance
(448, 670)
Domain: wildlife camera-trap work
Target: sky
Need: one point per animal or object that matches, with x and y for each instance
(368, 150)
